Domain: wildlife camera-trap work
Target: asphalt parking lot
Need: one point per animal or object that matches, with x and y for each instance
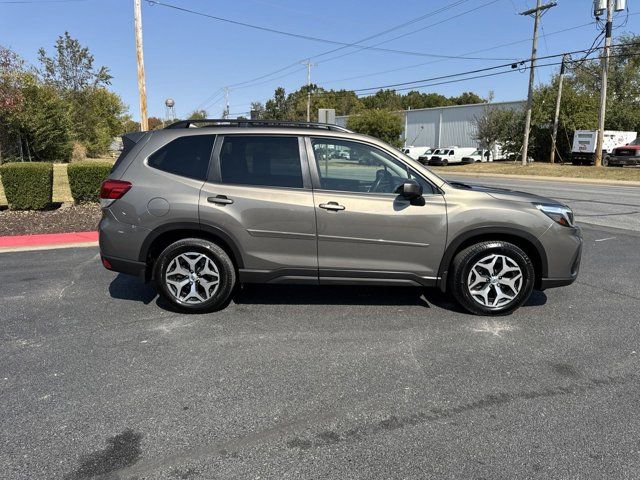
(100, 380)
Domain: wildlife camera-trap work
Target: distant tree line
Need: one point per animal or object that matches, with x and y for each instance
(293, 106)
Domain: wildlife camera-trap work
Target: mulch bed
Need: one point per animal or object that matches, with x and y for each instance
(58, 219)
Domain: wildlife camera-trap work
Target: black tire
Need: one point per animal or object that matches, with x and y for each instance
(225, 271)
(445, 163)
(466, 259)
(605, 161)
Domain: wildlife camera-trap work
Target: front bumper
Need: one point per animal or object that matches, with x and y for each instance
(437, 161)
(624, 161)
(563, 247)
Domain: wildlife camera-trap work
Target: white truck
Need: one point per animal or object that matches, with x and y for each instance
(416, 152)
(584, 144)
(484, 155)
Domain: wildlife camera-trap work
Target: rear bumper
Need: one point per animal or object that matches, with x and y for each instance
(121, 265)
(582, 157)
(555, 282)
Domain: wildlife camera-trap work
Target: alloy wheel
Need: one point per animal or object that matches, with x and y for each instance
(192, 277)
(495, 280)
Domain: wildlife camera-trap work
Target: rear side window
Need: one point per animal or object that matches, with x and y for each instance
(185, 156)
(261, 160)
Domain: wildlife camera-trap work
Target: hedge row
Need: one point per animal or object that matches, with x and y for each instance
(85, 179)
(27, 185)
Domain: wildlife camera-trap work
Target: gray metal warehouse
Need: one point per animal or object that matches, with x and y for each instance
(444, 126)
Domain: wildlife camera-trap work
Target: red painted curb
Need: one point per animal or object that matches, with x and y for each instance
(47, 239)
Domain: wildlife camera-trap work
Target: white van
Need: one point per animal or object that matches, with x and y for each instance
(415, 152)
(445, 156)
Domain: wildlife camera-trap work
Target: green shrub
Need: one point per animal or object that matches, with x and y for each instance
(85, 179)
(27, 185)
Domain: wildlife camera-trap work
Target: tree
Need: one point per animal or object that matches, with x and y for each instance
(257, 110)
(96, 113)
(71, 67)
(277, 108)
(503, 126)
(129, 125)
(155, 123)
(387, 99)
(383, 124)
(44, 123)
(467, 98)
(97, 118)
(197, 115)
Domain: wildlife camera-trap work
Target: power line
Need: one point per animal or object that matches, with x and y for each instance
(245, 84)
(447, 79)
(423, 28)
(302, 36)
(468, 53)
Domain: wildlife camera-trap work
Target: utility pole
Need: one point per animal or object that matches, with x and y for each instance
(597, 161)
(556, 118)
(308, 64)
(536, 12)
(142, 89)
(225, 114)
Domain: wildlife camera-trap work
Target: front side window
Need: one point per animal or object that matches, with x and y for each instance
(186, 156)
(261, 160)
(357, 167)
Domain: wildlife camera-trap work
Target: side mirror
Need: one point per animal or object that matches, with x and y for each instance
(410, 189)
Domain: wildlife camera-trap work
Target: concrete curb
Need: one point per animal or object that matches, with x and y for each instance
(595, 181)
(47, 241)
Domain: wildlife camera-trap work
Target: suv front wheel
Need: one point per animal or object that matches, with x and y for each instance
(195, 275)
(492, 278)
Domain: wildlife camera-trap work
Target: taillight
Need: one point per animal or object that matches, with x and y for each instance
(114, 189)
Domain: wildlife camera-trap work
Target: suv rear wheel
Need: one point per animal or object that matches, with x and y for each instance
(195, 275)
(492, 278)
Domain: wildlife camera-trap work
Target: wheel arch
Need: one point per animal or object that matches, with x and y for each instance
(163, 236)
(524, 240)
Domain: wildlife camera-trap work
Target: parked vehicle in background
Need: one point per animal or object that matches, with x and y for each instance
(416, 152)
(629, 155)
(477, 157)
(203, 210)
(584, 144)
(446, 156)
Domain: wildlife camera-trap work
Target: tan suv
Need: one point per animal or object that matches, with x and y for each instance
(202, 206)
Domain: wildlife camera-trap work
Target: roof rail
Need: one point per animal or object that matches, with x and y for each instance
(226, 122)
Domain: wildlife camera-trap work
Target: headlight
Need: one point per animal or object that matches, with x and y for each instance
(558, 213)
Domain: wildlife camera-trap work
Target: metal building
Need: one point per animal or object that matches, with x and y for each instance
(444, 126)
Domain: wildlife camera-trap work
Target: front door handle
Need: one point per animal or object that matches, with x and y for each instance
(332, 206)
(220, 200)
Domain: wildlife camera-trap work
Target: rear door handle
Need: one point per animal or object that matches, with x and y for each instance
(332, 206)
(220, 200)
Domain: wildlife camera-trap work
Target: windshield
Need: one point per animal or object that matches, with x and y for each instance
(428, 151)
(477, 152)
(440, 151)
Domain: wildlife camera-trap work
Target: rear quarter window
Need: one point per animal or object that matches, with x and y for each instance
(186, 156)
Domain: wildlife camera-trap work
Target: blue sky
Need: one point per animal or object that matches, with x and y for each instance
(191, 58)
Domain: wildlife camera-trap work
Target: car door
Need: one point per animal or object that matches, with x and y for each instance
(259, 194)
(365, 229)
